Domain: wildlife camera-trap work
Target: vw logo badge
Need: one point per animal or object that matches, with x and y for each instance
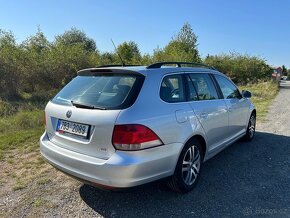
(68, 113)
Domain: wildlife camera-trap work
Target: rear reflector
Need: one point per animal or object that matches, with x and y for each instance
(132, 137)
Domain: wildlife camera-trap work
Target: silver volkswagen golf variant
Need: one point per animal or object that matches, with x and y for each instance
(119, 127)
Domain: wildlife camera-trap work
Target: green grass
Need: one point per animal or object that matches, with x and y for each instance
(20, 130)
(19, 185)
(263, 94)
(38, 202)
(43, 181)
(23, 120)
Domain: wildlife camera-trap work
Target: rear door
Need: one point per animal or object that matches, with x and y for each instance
(209, 108)
(238, 106)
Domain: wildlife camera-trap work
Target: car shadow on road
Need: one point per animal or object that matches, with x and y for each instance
(244, 179)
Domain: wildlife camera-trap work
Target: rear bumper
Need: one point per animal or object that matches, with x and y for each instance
(121, 170)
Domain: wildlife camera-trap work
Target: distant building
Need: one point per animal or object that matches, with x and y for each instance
(276, 73)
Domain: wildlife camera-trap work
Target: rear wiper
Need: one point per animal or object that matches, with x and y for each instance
(88, 106)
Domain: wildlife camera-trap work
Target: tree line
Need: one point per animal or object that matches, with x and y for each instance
(39, 67)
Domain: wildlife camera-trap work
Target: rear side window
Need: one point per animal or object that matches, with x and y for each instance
(172, 89)
(204, 86)
(228, 89)
(111, 91)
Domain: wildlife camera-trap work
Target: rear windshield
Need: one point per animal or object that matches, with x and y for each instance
(100, 92)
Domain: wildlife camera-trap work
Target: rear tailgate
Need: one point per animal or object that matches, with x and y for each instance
(100, 128)
(81, 117)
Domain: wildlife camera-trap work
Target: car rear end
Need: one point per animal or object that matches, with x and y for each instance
(83, 140)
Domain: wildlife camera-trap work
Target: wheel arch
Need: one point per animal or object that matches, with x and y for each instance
(173, 182)
(201, 140)
(254, 111)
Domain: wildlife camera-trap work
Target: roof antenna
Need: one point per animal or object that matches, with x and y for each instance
(123, 63)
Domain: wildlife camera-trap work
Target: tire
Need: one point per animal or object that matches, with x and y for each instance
(251, 128)
(188, 168)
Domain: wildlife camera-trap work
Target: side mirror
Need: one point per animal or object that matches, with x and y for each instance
(246, 94)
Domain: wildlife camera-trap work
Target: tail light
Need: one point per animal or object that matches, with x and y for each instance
(133, 137)
(44, 121)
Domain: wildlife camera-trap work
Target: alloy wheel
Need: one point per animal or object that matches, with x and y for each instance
(191, 165)
(252, 126)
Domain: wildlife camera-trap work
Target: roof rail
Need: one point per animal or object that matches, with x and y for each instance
(178, 63)
(117, 65)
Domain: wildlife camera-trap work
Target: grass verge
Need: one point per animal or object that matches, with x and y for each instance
(20, 130)
(263, 94)
(19, 148)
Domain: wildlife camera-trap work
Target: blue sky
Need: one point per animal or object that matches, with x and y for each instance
(255, 27)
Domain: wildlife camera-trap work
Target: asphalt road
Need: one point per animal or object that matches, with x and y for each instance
(246, 179)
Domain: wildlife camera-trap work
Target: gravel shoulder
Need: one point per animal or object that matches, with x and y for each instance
(277, 121)
(246, 179)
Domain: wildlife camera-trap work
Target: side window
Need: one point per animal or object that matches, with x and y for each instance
(172, 89)
(204, 86)
(127, 81)
(228, 89)
(192, 92)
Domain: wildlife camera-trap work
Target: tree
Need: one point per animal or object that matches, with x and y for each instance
(35, 63)
(284, 70)
(129, 52)
(146, 59)
(108, 58)
(9, 68)
(182, 47)
(37, 42)
(67, 60)
(75, 36)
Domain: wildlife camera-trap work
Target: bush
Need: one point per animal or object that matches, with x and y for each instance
(242, 69)
(27, 119)
(7, 109)
(42, 96)
(38, 67)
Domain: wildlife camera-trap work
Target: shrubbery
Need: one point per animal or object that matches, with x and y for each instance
(38, 68)
(7, 109)
(242, 69)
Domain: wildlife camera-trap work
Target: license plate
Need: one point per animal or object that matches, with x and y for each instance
(73, 128)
